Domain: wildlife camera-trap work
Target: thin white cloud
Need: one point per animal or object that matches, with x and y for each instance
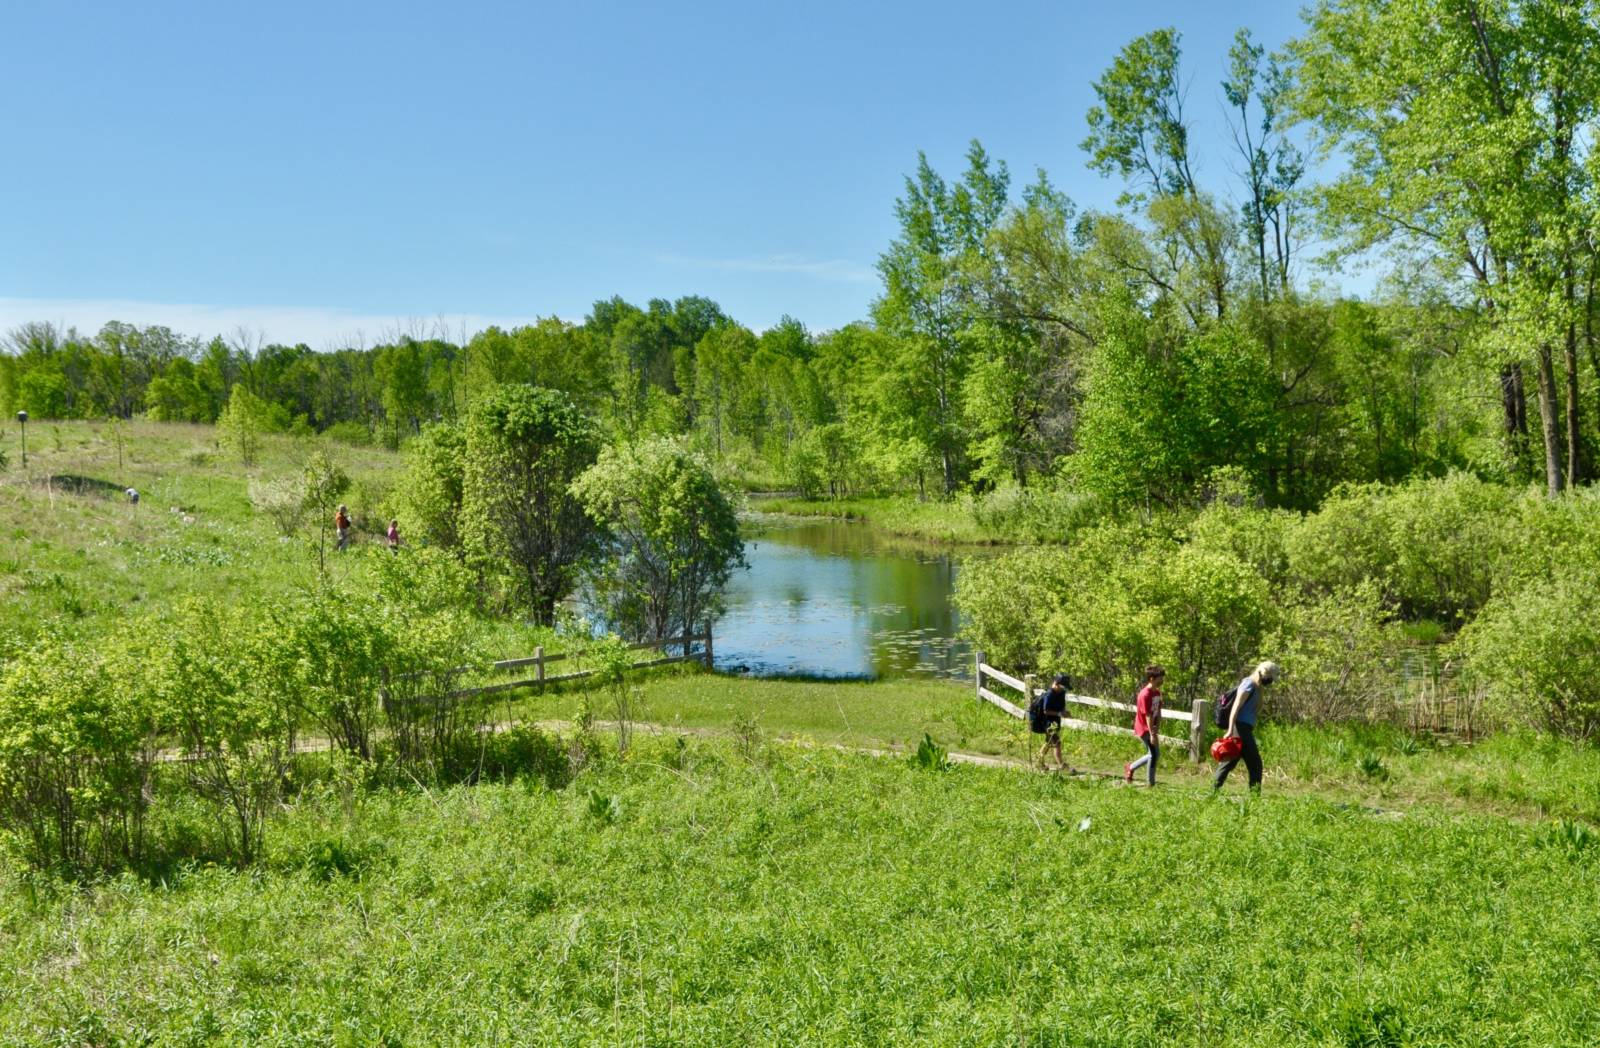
(838, 269)
(316, 326)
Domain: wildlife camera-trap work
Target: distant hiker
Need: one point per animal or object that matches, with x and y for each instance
(1146, 721)
(393, 536)
(1242, 723)
(1044, 718)
(341, 527)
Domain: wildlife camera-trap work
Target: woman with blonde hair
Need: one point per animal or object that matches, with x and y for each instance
(1242, 723)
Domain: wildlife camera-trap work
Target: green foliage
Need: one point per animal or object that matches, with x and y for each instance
(943, 233)
(1344, 653)
(1137, 129)
(930, 756)
(219, 691)
(434, 485)
(76, 748)
(1431, 545)
(674, 538)
(1536, 648)
(243, 422)
(1115, 601)
(524, 448)
(1158, 418)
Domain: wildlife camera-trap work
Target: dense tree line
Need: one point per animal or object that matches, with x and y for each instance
(1135, 353)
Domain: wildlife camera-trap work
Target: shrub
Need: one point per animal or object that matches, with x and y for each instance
(1537, 650)
(355, 434)
(1037, 514)
(1003, 601)
(1112, 603)
(213, 681)
(330, 654)
(432, 489)
(1339, 648)
(1432, 545)
(76, 752)
(282, 500)
(430, 726)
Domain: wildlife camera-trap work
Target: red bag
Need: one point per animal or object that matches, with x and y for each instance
(1227, 748)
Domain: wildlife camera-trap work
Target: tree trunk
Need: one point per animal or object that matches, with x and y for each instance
(1547, 420)
(1514, 404)
(1574, 464)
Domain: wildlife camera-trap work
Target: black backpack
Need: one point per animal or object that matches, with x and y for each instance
(1224, 706)
(1036, 718)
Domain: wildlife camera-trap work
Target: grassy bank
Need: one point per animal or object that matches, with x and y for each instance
(73, 547)
(1000, 518)
(700, 894)
(74, 551)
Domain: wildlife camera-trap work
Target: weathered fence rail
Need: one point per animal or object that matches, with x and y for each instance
(1197, 716)
(540, 662)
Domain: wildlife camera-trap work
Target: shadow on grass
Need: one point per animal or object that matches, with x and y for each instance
(73, 484)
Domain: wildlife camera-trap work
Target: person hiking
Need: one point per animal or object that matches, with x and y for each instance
(393, 536)
(1046, 712)
(341, 527)
(1242, 724)
(1146, 721)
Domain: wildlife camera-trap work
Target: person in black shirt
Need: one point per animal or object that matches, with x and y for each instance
(1052, 706)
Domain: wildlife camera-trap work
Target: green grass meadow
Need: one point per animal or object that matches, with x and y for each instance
(766, 863)
(697, 894)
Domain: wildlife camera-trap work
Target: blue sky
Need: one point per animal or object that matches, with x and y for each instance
(315, 171)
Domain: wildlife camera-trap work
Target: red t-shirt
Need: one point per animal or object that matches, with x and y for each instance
(1147, 709)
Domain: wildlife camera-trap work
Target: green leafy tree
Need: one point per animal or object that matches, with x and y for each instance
(524, 448)
(927, 299)
(322, 483)
(244, 422)
(1161, 411)
(1466, 134)
(674, 536)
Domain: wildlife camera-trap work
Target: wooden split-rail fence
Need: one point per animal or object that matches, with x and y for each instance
(1197, 716)
(538, 664)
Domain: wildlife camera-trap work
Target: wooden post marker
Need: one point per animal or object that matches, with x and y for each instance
(978, 660)
(538, 665)
(708, 646)
(1197, 729)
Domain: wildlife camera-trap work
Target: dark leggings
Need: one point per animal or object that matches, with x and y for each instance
(1152, 755)
(1250, 755)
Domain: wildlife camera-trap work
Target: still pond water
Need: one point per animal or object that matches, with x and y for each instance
(835, 598)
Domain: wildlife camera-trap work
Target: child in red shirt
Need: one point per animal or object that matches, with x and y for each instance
(1146, 721)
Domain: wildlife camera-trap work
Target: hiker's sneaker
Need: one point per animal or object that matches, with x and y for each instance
(1127, 773)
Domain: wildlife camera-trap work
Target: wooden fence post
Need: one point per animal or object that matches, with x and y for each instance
(1201, 712)
(538, 665)
(708, 646)
(978, 659)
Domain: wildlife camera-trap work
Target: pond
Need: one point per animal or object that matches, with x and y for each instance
(834, 598)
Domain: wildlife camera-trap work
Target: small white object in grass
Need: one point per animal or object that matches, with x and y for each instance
(1083, 827)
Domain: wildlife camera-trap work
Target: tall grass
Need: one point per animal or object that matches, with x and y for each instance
(699, 895)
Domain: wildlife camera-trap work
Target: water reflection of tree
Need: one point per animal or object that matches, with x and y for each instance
(840, 597)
